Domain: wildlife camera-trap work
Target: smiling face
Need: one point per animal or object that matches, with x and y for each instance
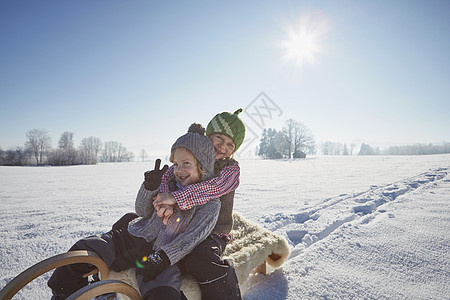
(185, 166)
(223, 145)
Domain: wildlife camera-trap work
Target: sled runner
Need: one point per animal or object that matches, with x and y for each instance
(73, 257)
(252, 249)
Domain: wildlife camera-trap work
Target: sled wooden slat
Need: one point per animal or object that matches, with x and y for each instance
(68, 258)
(104, 287)
(90, 273)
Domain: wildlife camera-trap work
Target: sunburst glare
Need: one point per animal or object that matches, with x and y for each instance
(304, 39)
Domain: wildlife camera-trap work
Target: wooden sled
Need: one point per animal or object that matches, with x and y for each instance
(253, 249)
(73, 257)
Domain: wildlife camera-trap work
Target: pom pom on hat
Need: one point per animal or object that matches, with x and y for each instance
(198, 128)
(228, 124)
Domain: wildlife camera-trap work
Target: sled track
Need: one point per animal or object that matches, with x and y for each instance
(306, 227)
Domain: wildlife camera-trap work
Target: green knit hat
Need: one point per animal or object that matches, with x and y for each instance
(228, 124)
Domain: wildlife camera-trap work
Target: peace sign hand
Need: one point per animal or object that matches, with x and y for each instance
(152, 179)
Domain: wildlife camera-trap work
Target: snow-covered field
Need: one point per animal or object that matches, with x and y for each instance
(374, 227)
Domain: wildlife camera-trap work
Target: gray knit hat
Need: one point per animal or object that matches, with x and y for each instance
(201, 147)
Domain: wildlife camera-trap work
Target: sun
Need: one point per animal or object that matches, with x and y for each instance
(301, 47)
(304, 39)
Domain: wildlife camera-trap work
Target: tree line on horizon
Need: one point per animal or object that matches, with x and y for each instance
(295, 140)
(333, 148)
(38, 151)
(415, 149)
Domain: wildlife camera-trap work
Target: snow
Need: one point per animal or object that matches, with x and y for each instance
(373, 227)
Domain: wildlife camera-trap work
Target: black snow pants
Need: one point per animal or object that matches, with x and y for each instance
(119, 250)
(216, 277)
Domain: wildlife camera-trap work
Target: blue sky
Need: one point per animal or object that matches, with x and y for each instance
(139, 72)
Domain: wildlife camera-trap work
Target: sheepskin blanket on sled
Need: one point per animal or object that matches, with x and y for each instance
(252, 246)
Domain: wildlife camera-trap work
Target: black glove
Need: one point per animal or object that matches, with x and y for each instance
(150, 266)
(123, 222)
(152, 179)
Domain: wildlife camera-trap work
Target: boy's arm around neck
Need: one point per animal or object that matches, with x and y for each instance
(226, 181)
(165, 179)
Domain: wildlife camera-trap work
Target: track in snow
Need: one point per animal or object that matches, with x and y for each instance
(306, 227)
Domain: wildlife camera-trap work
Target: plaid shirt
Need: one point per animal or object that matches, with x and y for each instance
(200, 193)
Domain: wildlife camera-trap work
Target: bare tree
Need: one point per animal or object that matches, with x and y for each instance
(110, 151)
(327, 148)
(143, 154)
(352, 146)
(2, 157)
(334, 148)
(89, 150)
(338, 148)
(299, 138)
(303, 138)
(311, 149)
(38, 143)
(15, 157)
(122, 153)
(289, 131)
(115, 152)
(66, 154)
(66, 140)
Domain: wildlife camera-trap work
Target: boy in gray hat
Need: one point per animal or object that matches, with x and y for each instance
(154, 247)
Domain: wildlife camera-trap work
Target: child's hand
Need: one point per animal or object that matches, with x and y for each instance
(153, 264)
(164, 211)
(152, 179)
(164, 199)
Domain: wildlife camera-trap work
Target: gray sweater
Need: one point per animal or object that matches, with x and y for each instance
(184, 230)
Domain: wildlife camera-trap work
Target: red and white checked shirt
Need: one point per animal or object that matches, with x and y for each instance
(200, 193)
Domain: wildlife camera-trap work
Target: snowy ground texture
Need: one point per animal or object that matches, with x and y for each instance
(358, 227)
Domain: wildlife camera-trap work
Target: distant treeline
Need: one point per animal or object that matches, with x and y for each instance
(333, 148)
(38, 151)
(295, 140)
(415, 149)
